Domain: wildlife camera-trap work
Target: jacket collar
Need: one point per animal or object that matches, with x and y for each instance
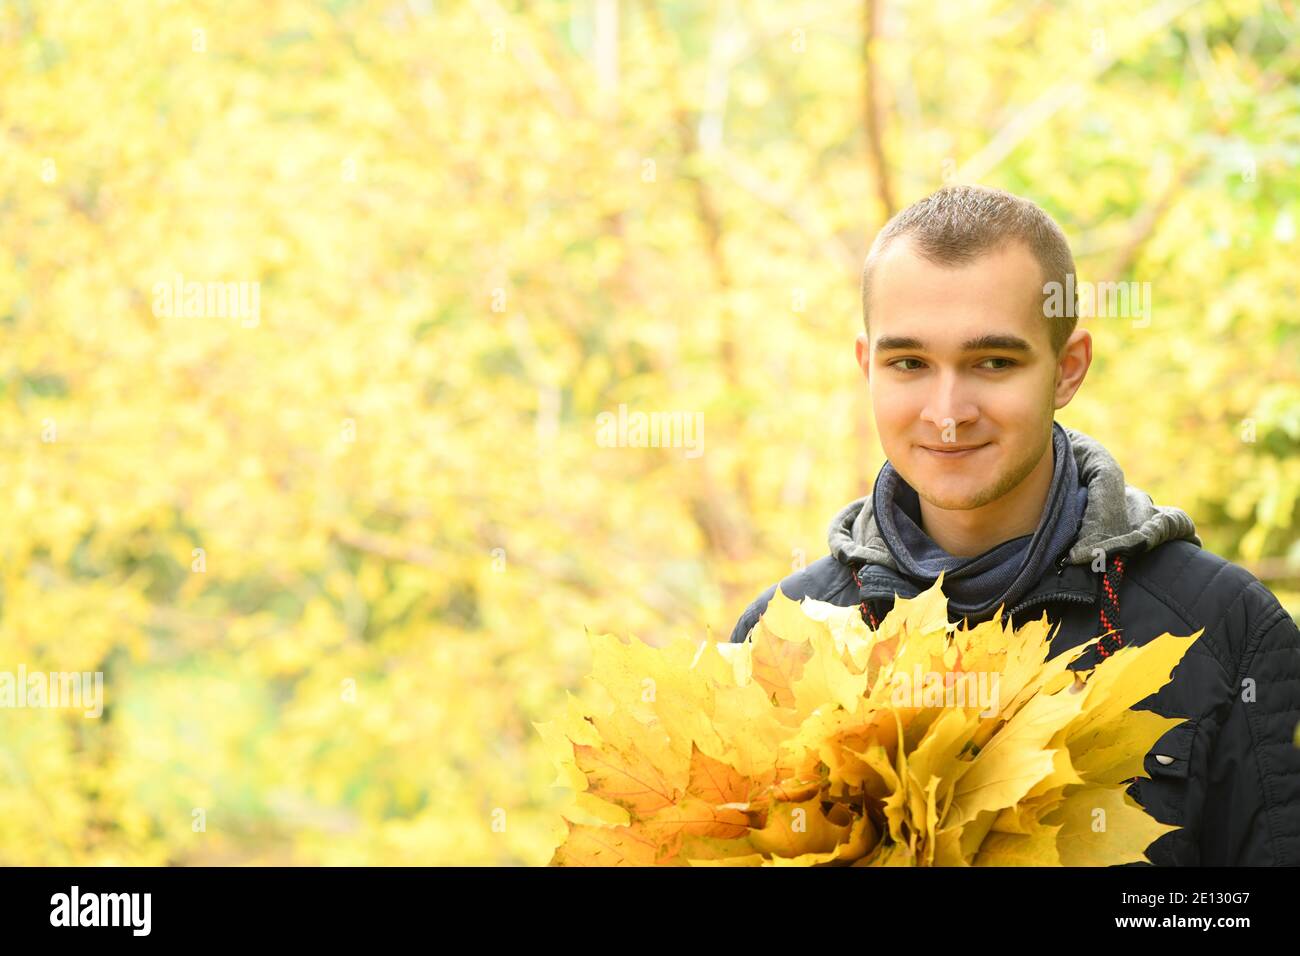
(1119, 518)
(1068, 582)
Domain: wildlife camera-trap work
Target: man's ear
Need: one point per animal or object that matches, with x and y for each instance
(862, 349)
(1072, 366)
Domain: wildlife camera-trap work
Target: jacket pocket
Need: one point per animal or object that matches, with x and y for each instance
(1163, 792)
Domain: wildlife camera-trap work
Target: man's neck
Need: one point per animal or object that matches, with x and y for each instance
(968, 533)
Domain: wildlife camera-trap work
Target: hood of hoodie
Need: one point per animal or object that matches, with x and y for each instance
(1118, 517)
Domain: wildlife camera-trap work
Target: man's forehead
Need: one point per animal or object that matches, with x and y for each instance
(960, 307)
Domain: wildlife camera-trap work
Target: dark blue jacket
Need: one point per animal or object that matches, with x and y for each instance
(1229, 775)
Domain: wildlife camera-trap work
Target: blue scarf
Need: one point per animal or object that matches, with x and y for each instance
(1002, 575)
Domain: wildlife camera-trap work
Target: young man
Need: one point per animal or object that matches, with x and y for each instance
(967, 361)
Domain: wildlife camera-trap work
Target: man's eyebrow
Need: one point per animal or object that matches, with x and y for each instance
(991, 341)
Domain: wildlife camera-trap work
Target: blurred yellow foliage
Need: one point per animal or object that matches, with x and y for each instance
(333, 525)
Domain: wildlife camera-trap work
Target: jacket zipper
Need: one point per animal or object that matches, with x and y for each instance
(1044, 599)
(1058, 596)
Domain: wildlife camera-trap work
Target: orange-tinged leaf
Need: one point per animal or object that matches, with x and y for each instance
(780, 648)
(604, 846)
(696, 818)
(716, 782)
(627, 779)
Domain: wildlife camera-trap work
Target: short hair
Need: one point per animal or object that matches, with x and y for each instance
(958, 223)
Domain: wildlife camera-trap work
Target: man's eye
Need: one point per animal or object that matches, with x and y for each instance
(1010, 362)
(896, 364)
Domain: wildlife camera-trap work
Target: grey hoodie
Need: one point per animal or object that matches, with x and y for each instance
(1117, 517)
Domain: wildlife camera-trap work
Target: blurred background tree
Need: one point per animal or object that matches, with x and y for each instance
(334, 561)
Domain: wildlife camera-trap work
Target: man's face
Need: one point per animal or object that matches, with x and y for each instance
(961, 358)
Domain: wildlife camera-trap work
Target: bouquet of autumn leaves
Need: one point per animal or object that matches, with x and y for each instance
(822, 742)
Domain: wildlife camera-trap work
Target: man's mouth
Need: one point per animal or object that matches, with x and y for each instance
(953, 451)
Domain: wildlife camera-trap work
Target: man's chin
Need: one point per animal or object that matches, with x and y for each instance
(949, 501)
(955, 495)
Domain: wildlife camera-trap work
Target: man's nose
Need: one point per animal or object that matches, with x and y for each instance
(948, 403)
